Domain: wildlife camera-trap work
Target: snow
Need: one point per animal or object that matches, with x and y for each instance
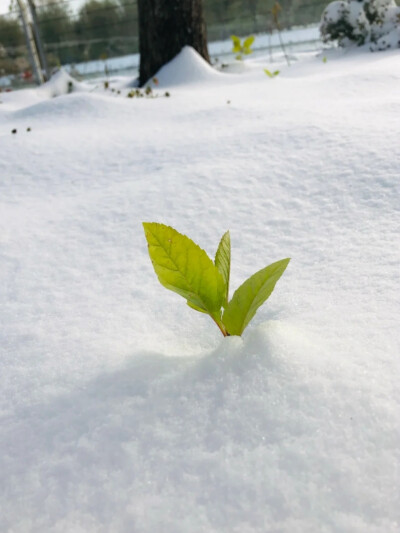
(122, 409)
(188, 67)
(5, 81)
(390, 39)
(366, 21)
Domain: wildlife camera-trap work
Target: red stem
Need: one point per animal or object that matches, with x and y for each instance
(221, 327)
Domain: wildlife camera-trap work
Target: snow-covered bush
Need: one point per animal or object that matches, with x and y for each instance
(358, 22)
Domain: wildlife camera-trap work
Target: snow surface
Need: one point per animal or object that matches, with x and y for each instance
(122, 410)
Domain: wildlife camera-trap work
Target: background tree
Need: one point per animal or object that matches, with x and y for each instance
(11, 35)
(56, 28)
(129, 28)
(11, 44)
(99, 22)
(165, 27)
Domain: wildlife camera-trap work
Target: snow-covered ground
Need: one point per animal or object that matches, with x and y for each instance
(122, 410)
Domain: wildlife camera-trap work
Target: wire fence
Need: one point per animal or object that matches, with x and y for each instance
(75, 33)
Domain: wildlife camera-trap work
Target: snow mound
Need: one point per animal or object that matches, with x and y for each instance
(187, 67)
(62, 83)
(81, 105)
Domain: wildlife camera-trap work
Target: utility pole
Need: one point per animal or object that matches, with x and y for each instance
(38, 39)
(30, 42)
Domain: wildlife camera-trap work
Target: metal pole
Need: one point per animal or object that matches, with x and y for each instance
(38, 39)
(30, 42)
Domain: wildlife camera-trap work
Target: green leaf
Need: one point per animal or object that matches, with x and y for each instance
(237, 47)
(196, 308)
(271, 74)
(183, 267)
(248, 42)
(235, 40)
(250, 296)
(223, 261)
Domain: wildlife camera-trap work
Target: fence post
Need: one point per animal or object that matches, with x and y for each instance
(30, 42)
(38, 39)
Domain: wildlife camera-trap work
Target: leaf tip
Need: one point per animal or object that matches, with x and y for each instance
(145, 225)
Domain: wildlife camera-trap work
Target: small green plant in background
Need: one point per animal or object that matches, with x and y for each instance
(240, 48)
(183, 267)
(271, 74)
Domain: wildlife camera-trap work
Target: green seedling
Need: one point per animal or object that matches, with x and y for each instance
(271, 74)
(240, 48)
(183, 267)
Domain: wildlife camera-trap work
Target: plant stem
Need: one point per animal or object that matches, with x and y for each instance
(275, 16)
(282, 45)
(221, 327)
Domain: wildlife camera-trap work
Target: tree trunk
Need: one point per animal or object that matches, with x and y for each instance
(165, 27)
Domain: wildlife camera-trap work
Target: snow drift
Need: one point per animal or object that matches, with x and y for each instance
(186, 68)
(121, 409)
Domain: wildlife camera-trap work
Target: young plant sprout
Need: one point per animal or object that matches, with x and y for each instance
(271, 74)
(183, 267)
(240, 48)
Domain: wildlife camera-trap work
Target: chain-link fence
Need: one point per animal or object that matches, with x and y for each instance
(86, 36)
